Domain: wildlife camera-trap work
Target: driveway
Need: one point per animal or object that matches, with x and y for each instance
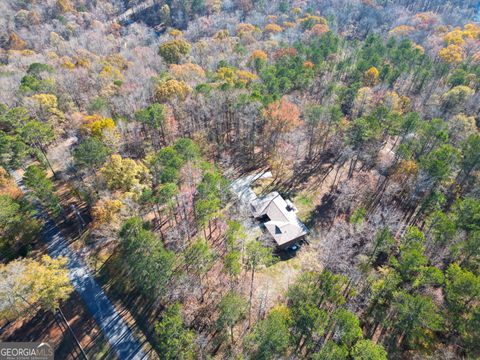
(242, 186)
(115, 330)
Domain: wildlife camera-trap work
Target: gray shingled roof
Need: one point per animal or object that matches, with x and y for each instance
(284, 225)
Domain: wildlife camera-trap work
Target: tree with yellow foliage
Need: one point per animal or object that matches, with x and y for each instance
(221, 34)
(49, 281)
(97, 126)
(457, 96)
(45, 107)
(216, 6)
(172, 51)
(106, 211)
(371, 77)
(309, 21)
(66, 63)
(227, 75)
(452, 54)
(28, 283)
(46, 101)
(234, 77)
(471, 31)
(124, 174)
(459, 37)
(111, 73)
(175, 33)
(64, 6)
(405, 170)
(457, 42)
(245, 77)
(454, 37)
(171, 89)
(396, 103)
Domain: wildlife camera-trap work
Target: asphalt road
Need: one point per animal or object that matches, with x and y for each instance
(115, 330)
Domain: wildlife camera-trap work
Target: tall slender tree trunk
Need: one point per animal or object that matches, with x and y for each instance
(250, 298)
(46, 159)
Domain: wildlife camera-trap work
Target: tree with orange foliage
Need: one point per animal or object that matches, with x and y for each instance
(188, 72)
(273, 29)
(258, 59)
(15, 42)
(18, 225)
(281, 117)
(7, 185)
(285, 52)
(308, 65)
(259, 54)
(426, 19)
(319, 30)
(401, 30)
(245, 28)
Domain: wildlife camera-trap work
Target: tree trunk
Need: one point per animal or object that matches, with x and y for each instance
(48, 161)
(250, 299)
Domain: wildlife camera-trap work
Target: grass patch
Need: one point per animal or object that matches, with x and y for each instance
(278, 269)
(305, 205)
(304, 201)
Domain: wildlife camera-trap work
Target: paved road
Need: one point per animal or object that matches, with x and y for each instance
(114, 328)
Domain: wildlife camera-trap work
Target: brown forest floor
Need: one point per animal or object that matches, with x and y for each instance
(43, 327)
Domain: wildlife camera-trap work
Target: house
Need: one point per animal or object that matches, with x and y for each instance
(280, 219)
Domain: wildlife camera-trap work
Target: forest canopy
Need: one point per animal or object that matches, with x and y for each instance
(136, 128)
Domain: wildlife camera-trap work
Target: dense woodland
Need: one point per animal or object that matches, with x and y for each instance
(366, 113)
